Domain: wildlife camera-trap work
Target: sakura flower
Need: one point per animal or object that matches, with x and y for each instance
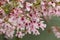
(25, 18)
(2, 13)
(58, 10)
(9, 30)
(57, 0)
(28, 6)
(56, 31)
(20, 34)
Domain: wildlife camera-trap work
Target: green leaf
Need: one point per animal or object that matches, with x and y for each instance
(6, 8)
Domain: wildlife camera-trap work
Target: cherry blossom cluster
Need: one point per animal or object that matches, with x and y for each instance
(49, 8)
(56, 31)
(24, 18)
(2, 2)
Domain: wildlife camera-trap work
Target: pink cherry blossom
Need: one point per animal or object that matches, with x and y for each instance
(21, 21)
(56, 31)
(26, 18)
